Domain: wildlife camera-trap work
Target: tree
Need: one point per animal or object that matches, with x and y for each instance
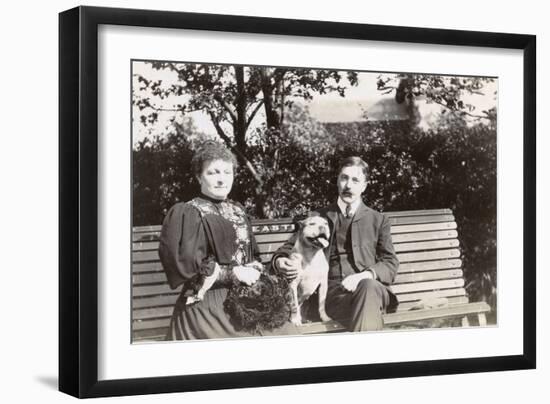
(162, 173)
(446, 91)
(232, 96)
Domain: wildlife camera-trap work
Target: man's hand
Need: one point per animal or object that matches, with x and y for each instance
(350, 282)
(288, 267)
(256, 265)
(246, 275)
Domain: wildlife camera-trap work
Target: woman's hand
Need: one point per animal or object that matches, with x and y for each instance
(246, 275)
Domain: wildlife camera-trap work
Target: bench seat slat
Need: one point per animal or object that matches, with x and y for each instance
(457, 310)
(404, 306)
(321, 327)
(166, 311)
(443, 312)
(399, 318)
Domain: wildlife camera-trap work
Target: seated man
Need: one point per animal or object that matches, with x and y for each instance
(362, 261)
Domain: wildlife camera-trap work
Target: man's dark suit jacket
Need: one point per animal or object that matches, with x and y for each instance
(370, 239)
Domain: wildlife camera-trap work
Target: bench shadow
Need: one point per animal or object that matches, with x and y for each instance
(48, 381)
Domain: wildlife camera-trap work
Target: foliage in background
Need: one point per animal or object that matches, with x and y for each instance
(452, 165)
(231, 96)
(161, 173)
(289, 161)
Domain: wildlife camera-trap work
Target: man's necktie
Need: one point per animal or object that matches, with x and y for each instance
(348, 211)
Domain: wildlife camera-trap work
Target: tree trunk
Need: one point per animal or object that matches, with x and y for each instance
(240, 125)
(273, 119)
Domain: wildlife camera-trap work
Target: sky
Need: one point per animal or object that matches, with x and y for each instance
(360, 99)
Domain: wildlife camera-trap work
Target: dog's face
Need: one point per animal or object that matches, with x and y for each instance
(314, 232)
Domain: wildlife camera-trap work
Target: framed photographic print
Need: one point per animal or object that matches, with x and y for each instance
(250, 201)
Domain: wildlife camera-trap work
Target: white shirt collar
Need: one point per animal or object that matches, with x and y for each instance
(342, 205)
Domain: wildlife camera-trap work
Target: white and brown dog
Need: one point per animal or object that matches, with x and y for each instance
(313, 236)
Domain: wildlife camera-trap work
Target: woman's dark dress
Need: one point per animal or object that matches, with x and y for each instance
(194, 235)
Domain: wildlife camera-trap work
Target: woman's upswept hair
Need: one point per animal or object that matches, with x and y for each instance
(210, 151)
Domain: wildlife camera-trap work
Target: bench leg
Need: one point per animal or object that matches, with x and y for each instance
(465, 322)
(482, 319)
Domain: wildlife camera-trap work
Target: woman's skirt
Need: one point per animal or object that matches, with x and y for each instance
(207, 319)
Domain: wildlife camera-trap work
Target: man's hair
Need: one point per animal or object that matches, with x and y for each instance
(210, 151)
(357, 162)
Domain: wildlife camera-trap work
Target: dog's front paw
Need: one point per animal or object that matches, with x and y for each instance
(192, 300)
(324, 317)
(296, 320)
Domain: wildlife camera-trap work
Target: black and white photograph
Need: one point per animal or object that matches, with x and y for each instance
(273, 201)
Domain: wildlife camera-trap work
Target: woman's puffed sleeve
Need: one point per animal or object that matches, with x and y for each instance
(183, 247)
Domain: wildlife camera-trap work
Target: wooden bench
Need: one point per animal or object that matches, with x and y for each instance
(426, 243)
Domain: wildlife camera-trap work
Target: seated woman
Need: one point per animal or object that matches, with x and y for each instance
(208, 241)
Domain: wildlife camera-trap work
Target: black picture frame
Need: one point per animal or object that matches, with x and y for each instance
(78, 192)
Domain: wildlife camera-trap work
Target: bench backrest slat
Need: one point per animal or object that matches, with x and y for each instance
(433, 240)
(265, 231)
(426, 243)
(159, 277)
